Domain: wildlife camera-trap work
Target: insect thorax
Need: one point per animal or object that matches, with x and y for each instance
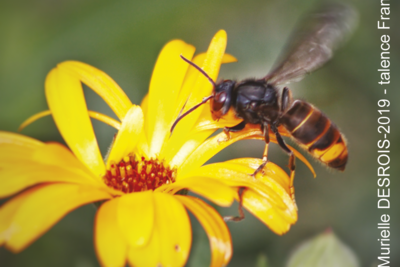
(256, 101)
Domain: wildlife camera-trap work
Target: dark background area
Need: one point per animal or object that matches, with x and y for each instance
(123, 38)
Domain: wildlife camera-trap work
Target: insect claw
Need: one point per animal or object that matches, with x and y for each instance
(227, 136)
(240, 208)
(260, 168)
(227, 133)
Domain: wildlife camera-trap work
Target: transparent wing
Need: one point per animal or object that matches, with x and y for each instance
(314, 42)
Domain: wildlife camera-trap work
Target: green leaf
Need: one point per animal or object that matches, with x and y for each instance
(324, 250)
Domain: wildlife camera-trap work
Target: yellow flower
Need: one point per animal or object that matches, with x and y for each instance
(141, 220)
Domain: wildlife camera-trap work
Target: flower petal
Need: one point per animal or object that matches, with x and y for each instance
(192, 76)
(49, 163)
(18, 141)
(93, 114)
(34, 118)
(171, 238)
(150, 255)
(184, 143)
(142, 146)
(270, 170)
(266, 198)
(211, 66)
(211, 147)
(7, 212)
(127, 136)
(216, 143)
(178, 151)
(216, 229)
(173, 144)
(101, 83)
(166, 82)
(212, 189)
(278, 220)
(40, 208)
(175, 230)
(145, 105)
(206, 122)
(55, 154)
(202, 87)
(136, 217)
(67, 104)
(111, 245)
(240, 176)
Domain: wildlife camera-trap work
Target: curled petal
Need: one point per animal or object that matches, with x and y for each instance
(34, 118)
(111, 245)
(39, 208)
(215, 227)
(128, 135)
(101, 83)
(104, 118)
(93, 114)
(67, 104)
(171, 238)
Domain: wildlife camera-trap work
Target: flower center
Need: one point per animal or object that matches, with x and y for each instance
(135, 175)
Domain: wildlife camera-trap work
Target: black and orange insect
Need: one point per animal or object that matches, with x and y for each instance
(259, 101)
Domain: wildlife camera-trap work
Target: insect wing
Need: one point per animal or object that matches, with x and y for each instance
(314, 42)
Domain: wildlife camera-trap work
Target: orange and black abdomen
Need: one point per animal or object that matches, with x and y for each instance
(314, 131)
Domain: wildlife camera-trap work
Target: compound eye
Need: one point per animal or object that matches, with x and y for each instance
(219, 101)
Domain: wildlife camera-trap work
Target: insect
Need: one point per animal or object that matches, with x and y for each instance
(259, 101)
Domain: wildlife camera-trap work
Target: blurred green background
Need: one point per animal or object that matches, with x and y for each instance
(123, 38)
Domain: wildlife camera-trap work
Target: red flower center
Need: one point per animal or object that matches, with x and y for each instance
(132, 175)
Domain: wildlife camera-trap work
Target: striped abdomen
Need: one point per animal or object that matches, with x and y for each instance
(314, 131)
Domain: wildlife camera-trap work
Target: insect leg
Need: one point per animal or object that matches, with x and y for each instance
(292, 165)
(235, 128)
(286, 99)
(265, 130)
(240, 208)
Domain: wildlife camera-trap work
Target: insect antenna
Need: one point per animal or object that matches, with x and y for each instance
(199, 69)
(190, 110)
(204, 99)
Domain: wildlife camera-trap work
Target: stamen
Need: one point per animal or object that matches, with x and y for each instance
(135, 175)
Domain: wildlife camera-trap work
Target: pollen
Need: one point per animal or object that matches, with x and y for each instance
(134, 174)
